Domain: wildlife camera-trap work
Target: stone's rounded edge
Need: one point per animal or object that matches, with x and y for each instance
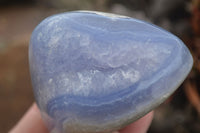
(45, 22)
(188, 60)
(109, 15)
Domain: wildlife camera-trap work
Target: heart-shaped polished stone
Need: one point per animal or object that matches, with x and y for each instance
(96, 72)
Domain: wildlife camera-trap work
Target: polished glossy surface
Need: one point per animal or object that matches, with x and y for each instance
(94, 72)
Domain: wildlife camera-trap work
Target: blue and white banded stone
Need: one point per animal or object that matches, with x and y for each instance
(96, 72)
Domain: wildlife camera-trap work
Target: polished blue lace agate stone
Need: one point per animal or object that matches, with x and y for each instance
(96, 72)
